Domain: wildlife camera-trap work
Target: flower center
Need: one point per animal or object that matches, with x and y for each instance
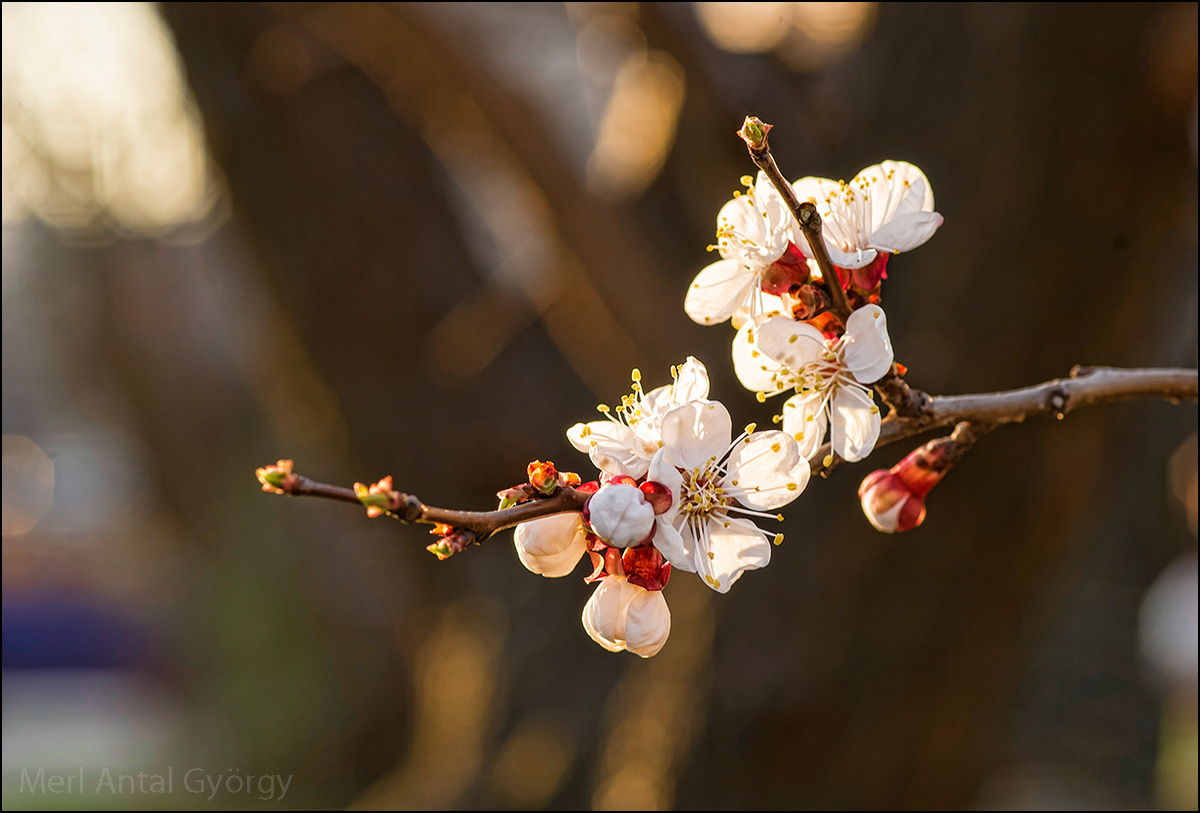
(702, 493)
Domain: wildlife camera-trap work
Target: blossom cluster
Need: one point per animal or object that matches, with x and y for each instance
(676, 490)
(771, 288)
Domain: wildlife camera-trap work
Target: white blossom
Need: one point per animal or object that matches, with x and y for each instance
(621, 615)
(753, 232)
(886, 208)
(712, 481)
(629, 439)
(829, 376)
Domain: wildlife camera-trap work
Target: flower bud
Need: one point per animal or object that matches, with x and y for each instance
(543, 476)
(894, 500)
(379, 498)
(621, 515)
(620, 615)
(553, 545)
(277, 479)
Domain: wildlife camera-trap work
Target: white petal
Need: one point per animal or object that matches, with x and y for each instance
(733, 547)
(820, 191)
(768, 470)
(696, 432)
(671, 545)
(887, 521)
(905, 232)
(647, 622)
(782, 227)
(605, 612)
(691, 382)
(893, 188)
(791, 343)
(754, 369)
(856, 258)
(610, 446)
(805, 420)
(620, 515)
(867, 350)
(719, 291)
(744, 218)
(758, 305)
(553, 545)
(855, 423)
(662, 470)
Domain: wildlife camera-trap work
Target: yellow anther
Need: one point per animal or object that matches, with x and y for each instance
(776, 418)
(779, 517)
(750, 427)
(828, 461)
(792, 338)
(602, 408)
(792, 487)
(778, 539)
(874, 410)
(746, 181)
(716, 583)
(708, 578)
(636, 374)
(761, 396)
(774, 447)
(809, 417)
(712, 555)
(799, 436)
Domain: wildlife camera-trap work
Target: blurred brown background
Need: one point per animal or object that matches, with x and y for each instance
(423, 239)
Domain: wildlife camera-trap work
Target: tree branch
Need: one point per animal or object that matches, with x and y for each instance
(477, 525)
(915, 412)
(754, 133)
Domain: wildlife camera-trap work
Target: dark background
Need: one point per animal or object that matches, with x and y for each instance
(432, 252)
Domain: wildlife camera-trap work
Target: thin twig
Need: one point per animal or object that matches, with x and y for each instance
(754, 133)
(483, 524)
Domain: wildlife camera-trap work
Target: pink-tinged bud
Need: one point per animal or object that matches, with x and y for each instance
(646, 567)
(889, 504)
(379, 498)
(451, 543)
(568, 478)
(894, 500)
(620, 514)
(543, 476)
(277, 479)
(658, 495)
(754, 132)
(590, 487)
(621, 479)
(516, 495)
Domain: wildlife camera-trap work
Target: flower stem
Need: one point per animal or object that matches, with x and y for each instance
(754, 133)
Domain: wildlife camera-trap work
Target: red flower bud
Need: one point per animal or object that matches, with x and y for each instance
(894, 500)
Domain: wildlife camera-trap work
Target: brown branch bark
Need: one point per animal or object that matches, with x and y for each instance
(754, 133)
(482, 524)
(915, 412)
